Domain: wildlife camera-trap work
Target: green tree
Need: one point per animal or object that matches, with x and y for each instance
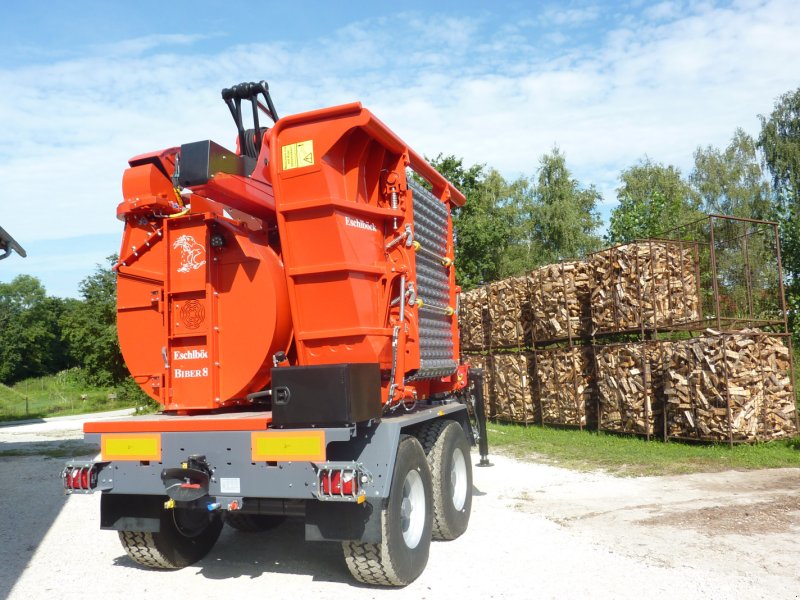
(506, 228)
(90, 328)
(560, 218)
(779, 140)
(29, 330)
(653, 199)
(483, 225)
(732, 181)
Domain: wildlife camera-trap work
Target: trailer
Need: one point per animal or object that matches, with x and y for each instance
(292, 306)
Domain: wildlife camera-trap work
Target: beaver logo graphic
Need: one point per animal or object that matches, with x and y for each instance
(193, 255)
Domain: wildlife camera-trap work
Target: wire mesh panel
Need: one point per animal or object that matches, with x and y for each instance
(509, 323)
(652, 284)
(512, 390)
(563, 388)
(739, 272)
(474, 316)
(630, 386)
(560, 296)
(731, 387)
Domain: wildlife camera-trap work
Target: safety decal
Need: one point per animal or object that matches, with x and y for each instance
(193, 255)
(298, 155)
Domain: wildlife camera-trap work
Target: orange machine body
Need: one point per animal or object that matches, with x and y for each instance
(327, 251)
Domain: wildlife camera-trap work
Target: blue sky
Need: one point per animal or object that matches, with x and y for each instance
(86, 85)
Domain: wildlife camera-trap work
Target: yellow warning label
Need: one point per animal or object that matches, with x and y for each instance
(298, 155)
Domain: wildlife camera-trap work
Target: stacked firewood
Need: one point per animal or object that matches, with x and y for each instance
(511, 383)
(630, 387)
(473, 319)
(563, 390)
(650, 284)
(509, 313)
(732, 386)
(560, 296)
(479, 361)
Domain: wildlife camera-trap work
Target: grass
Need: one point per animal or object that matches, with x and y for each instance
(632, 457)
(55, 395)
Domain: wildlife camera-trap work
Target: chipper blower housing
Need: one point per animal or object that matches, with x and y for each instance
(292, 306)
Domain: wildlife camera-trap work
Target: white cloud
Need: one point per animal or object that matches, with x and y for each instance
(570, 16)
(136, 46)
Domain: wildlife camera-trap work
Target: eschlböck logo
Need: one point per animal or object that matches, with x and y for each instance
(189, 354)
(359, 224)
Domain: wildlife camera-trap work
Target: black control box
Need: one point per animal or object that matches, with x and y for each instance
(200, 161)
(326, 395)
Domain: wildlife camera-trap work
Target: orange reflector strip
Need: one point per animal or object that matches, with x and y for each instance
(142, 446)
(284, 446)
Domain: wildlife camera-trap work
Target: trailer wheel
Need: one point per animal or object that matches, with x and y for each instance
(253, 523)
(406, 523)
(447, 449)
(186, 536)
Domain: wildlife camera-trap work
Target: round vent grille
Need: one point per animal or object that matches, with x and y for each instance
(192, 314)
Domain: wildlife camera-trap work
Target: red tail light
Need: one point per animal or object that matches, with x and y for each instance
(80, 478)
(338, 482)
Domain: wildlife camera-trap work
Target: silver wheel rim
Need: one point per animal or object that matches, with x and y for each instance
(412, 509)
(458, 479)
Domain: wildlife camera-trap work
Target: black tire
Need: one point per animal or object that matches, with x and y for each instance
(253, 523)
(443, 441)
(186, 536)
(395, 561)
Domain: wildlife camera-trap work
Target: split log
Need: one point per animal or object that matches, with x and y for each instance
(560, 296)
(473, 319)
(649, 284)
(564, 389)
(512, 390)
(730, 386)
(630, 386)
(509, 313)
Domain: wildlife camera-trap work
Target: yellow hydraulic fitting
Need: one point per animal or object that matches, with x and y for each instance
(169, 504)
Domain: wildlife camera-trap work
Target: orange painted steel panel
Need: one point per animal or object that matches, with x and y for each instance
(285, 446)
(352, 198)
(165, 424)
(139, 446)
(198, 325)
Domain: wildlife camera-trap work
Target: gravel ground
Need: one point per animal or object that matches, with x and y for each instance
(537, 531)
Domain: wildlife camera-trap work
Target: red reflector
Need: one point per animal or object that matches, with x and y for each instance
(79, 478)
(337, 483)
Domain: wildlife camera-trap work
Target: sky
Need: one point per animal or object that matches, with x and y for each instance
(87, 85)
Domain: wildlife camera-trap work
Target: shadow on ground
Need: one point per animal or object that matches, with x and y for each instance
(32, 499)
(280, 550)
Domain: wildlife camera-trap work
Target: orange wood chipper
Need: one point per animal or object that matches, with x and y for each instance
(292, 306)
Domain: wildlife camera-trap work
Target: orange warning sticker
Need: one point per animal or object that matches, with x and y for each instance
(298, 155)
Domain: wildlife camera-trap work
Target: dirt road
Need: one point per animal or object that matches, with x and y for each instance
(537, 531)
